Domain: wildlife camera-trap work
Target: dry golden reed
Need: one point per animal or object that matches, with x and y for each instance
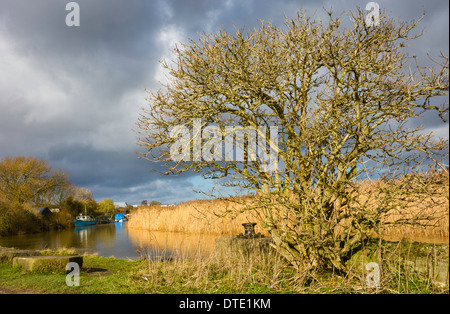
(436, 229)
(420, 217)
(200, 216)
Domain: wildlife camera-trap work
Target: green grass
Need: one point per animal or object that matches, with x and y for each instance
(98, 275)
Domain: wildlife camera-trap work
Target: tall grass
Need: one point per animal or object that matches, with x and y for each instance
(232, 270)
(200, 216)
(423, 216)
(225, 271)
(432, 214)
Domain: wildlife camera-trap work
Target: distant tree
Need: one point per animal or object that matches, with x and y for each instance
(144, 203)
(106, 206)
(62, 193)
(83, 194)
(29, 180)
(79, 201)
(91, 207)
(73, 206)
(154, 203)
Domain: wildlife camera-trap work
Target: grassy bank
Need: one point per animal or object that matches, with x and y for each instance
(234, 272)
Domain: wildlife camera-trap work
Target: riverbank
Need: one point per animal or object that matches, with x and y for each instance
(236, 273)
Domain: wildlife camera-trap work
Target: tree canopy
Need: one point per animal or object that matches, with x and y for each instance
(309, 111)
(29, 180)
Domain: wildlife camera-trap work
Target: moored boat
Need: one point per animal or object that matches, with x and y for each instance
(84, 220)
(120, 218)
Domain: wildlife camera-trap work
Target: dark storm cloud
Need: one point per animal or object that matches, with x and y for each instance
(109, 52)
(114, 173)
(71, 95)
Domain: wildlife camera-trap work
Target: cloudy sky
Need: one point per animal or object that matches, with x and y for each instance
(72, 95)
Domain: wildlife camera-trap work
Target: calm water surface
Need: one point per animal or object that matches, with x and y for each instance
(115, 239)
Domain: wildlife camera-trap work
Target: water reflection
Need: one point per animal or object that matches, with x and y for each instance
(161, 245)
(117, 240)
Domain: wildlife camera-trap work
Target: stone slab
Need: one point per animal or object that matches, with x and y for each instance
(47, 263)
(8, 254)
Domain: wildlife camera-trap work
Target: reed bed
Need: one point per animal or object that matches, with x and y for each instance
(422, 216)
(437, 230)
(200, 216)
(209, 216)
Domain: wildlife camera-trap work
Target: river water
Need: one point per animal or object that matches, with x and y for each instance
(115, 239)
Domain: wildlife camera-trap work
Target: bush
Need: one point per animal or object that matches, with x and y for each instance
(60, 220)
(17, 218)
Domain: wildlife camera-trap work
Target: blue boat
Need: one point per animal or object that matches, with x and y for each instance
(120, 218)
(84, 220)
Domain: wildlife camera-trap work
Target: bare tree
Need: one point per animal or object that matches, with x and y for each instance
(311, 110)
